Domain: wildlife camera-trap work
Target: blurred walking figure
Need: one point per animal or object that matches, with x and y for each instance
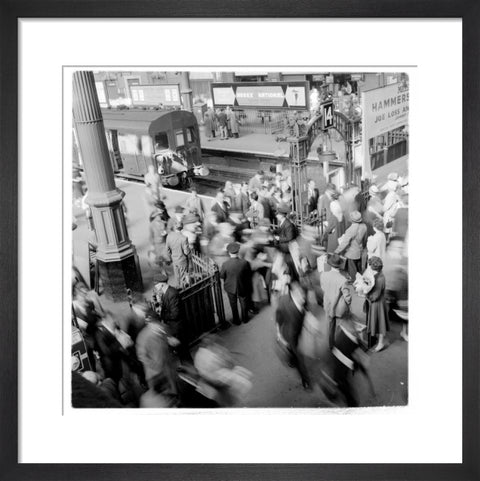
(395, 269)
(193, 204)
(376, 308)
(313, 196)
(241, 201)
(325, 199)
(221, 379)
(169, 300)
(352, 244)
(229, 193)
(237, 276)
(349, 356)
(153, 186)
(391, 203)
(154, 353)
(336, 225)
(289, 321)
(256, 211)
(178, 251)
(255, 183)
(336, 295)
(158, 234)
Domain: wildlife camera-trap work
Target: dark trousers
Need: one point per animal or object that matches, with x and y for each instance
(353, 266)
(233, 298)
(332, 325)
(343, 378)
(297, 360)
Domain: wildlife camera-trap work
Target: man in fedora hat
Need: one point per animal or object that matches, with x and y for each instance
(336, 295)
(286, 231)
(352, 243)
(237, 276)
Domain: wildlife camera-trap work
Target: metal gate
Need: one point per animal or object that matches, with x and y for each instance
(201, 304)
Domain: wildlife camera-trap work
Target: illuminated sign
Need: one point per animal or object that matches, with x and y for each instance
(156, 94)
(266, 95)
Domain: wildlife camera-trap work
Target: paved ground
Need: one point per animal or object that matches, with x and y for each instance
(252, 344)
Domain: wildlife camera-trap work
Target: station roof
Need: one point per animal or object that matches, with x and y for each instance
(145, 121)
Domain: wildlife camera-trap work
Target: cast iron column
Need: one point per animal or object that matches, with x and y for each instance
(186, 91)
(116, 255)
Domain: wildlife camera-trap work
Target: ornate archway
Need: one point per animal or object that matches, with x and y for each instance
(348, 129)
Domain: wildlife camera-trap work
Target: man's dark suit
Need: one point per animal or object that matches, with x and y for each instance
(290, 323)
(313, 200)
(222, 214)
(286, 233)
(237, 276)
(172, 317)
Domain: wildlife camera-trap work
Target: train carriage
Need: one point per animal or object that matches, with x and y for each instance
(167, 139)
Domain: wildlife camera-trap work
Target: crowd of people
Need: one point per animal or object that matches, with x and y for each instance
(356, 249)
(222, 123)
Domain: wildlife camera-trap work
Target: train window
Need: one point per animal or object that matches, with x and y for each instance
(179, 138)
(191, 135)
(161, 141)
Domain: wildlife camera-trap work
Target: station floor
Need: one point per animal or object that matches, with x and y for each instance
(264, 144)
(253, 344)
(253, 143)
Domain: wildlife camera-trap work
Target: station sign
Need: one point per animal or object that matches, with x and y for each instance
(327, 115)
(165, 94)
(262, 95)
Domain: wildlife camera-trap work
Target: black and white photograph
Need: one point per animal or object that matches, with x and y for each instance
(239, 238)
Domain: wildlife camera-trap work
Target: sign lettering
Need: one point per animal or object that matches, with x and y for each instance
(327, 115)
(277, 95)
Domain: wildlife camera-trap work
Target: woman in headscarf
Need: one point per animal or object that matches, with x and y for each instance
(336, 225)
(376, 307)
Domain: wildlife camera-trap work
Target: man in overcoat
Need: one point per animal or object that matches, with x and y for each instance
(336, 295)
(237, 276)
(286, 231)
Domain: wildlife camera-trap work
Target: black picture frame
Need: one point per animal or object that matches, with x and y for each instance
(12, 10)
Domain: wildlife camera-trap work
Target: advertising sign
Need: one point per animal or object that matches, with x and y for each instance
(262, 95)
(156, 94)
(384, 109)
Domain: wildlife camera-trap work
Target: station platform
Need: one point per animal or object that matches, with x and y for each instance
(253, 144)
